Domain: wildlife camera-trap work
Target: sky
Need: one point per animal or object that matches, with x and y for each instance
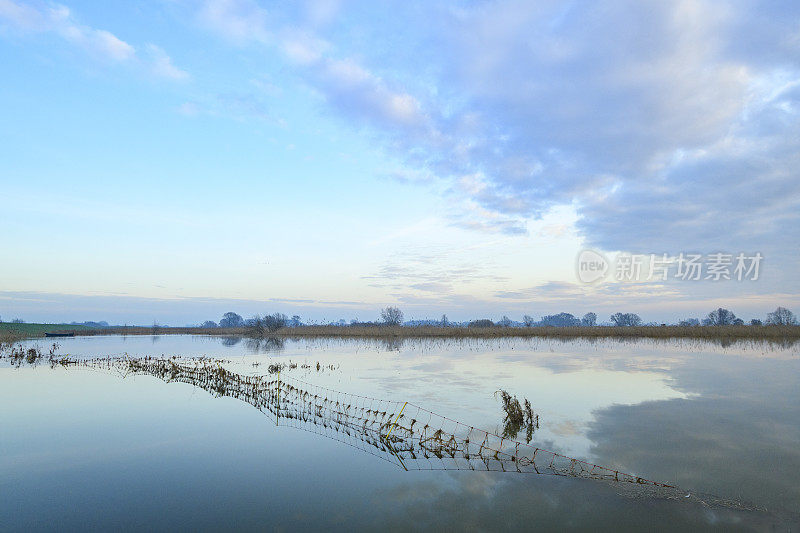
(171, 160)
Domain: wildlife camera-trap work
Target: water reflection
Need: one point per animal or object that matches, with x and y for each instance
(737, 434)
(265, 345)
(231, 341)
(707, 417)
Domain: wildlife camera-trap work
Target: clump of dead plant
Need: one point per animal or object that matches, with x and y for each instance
(517, 417)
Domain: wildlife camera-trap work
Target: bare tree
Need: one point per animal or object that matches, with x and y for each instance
(626, 319)
(781, 317)
(589, 320)
(720, 317)
(505, 322)
(274, 322)
(262, 326)
(529, 321)
(255, 326)
(392, 316)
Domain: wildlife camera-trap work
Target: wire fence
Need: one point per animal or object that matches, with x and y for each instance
(400, 432)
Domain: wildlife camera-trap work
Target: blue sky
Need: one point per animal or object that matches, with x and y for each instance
(172, 160)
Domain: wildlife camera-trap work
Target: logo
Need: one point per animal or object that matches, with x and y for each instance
(592, 266)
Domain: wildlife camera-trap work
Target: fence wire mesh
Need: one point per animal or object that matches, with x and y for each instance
(402, 433)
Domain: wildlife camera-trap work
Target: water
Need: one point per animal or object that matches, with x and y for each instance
(87, 448)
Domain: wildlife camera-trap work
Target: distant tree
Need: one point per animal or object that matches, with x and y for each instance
(719, 317)
(756, 322)
(560, 320)
(17, 321)
(626, 319)
(392, 316)
(255, 326)
(781, 317)
(91, 324)
(529, 321)
(208, 324)
(259, 326)
(589, 320)
(505, 322)
(481, 323)
(231, 320)
(296, 322)
(689, 322)
(444, 322)
(274, 322)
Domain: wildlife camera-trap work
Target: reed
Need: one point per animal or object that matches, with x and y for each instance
(655, 332)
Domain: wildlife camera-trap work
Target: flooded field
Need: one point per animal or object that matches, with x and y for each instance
(193, 432)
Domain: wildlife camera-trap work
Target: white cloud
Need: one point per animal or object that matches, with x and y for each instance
(162, 66)
(21, 15)
(322, 12)
(237, 20)
(302, 48)
(111, 46)
(357, 92)
(669, 126)
(102, 44)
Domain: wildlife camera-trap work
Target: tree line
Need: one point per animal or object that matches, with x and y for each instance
(393, 316)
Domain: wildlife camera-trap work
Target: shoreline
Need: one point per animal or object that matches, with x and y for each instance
(755, 333)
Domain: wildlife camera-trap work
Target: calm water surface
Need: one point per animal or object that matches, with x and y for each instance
(84, 448)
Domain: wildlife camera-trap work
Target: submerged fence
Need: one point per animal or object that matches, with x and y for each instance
(402, 433)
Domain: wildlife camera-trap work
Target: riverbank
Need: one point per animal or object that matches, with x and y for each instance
(659, 332)
(16, 331)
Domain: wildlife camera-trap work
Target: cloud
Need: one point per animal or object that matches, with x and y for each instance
(444, 272)
(356, 91)
(101, 44)
(433, 287)
(669, 126)
(643, 115)
(321, 12)
(562, 291)
(21, 15)
(106, 44)
(162, 66)
(240, 21)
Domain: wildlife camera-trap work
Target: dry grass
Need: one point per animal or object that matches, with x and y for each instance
(652, 332)
(11, 331)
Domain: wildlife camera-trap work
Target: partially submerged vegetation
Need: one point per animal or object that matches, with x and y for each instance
(33, 355)
(518, 417)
